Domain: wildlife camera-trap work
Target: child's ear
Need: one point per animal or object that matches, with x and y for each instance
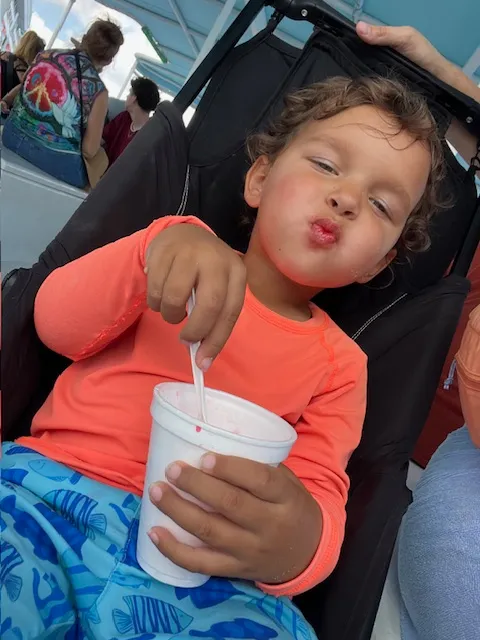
(383, 264)
(254, 181)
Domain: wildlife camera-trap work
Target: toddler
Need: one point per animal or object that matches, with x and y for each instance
(342, 180)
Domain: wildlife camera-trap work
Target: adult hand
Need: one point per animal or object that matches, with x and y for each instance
(412, 44)
(406, 40)
(185, 256)
(265, 526)
(4, 107)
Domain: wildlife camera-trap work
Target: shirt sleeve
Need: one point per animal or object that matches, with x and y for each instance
(110, 129)
(83, 306)
(328, 433)
(468, 369)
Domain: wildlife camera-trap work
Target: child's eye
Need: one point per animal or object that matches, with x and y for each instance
(325, 166)
(380, 206)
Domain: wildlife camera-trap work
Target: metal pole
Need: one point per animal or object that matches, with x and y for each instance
(8, 28)
(473, 63)
(129, 76)
(214, 33)
(357, 10)
(260, 21)
(354, 13)
(183, 24)
(59, 26)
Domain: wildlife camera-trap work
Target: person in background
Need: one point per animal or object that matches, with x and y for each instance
(52, 124)
(141, 101)
(438, 560)
(14, 66)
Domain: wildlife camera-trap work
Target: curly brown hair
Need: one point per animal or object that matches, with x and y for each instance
(407, 109)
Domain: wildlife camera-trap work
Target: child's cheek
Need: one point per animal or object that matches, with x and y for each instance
(289, 190)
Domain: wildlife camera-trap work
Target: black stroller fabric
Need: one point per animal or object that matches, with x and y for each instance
(219, 128)
(122, 203)
(405, 328)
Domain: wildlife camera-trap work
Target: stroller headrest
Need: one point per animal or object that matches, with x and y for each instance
(230, 110)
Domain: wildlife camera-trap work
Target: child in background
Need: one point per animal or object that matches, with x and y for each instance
(342, 180)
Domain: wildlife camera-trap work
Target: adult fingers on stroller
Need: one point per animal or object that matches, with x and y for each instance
(406, 40)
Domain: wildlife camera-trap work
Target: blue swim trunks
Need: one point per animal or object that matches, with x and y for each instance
(69, 569)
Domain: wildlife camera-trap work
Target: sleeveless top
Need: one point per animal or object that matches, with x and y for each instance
(47, 108)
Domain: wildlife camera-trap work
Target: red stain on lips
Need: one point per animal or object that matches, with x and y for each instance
(325, 232)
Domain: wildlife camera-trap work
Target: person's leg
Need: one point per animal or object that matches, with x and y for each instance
(34, 587)
(134, 605)
(439, 547)
(56, 554)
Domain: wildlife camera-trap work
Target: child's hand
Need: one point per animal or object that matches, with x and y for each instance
(266, 526)
(185, 256)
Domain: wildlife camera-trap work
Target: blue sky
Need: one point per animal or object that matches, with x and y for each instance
(47, 13)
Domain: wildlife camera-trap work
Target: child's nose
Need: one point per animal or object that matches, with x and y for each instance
(345, 203)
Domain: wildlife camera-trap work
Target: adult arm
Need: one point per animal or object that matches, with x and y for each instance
(93, 133)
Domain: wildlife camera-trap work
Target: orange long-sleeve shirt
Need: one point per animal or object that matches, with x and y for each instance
(97, 419)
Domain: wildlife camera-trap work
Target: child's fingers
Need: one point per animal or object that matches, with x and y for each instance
(178, 288)
(271, 484)
(236, 505)
(211, 290)
(157, 273)
(225, 321)
(195, 559)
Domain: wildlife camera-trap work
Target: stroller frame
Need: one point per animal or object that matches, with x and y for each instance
(344, 607)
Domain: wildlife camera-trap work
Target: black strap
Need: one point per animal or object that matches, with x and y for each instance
(475, 161)
(320, 13)
(80, 93)
(471, 241)
(217, 53)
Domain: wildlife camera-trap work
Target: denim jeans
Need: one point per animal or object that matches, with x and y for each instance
(439, 547)
(68, 167)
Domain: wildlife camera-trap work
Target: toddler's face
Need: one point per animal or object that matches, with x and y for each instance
(333, 204)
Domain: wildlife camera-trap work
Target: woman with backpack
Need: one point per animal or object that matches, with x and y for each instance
(56, 122)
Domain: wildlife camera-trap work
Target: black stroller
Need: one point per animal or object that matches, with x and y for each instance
(405, 328)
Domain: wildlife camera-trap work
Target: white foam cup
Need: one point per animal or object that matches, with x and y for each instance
(236, 427)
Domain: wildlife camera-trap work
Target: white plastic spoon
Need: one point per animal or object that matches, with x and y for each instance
(197, 372)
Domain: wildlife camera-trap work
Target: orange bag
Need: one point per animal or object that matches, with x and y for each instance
(468, 369)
